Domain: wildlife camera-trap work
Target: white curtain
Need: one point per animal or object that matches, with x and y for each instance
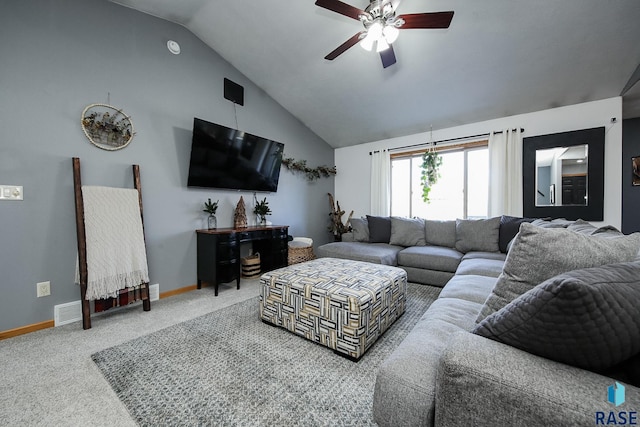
(380, 183)
(505, 173)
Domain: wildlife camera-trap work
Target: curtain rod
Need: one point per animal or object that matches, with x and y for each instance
(444, 140)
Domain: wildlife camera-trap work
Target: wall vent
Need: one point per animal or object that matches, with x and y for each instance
(67, 313)
(154, 292)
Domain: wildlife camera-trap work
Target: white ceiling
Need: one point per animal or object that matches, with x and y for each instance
(498, 58)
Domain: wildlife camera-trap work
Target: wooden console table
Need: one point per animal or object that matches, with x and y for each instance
(219, 251)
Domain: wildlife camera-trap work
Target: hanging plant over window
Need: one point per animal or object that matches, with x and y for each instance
(311, 173)
(431, 162)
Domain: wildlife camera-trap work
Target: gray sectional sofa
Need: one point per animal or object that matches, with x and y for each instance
(499, 346)
(431, 252)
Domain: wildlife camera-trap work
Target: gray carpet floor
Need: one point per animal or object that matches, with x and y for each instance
(228, 368)
(47, 378)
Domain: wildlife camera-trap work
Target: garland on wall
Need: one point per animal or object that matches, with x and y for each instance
(311, 173)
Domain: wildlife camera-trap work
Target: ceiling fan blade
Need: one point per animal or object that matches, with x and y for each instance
(426, 20)
(344, 46)
(388, 57)
(341, 8)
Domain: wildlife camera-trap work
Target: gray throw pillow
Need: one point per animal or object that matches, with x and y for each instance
(587, 318)
(360, 229)
(582, 226)
(407, 231)
(478, 235)
(440, 233)
(540, 253)
(379, 229)
(509, 227)
(556, 223)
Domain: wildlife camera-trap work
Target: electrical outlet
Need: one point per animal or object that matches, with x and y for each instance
(11, 192)
(43, 289)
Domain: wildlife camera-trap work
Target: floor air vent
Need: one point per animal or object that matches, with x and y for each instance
(154, 292)
(67, 313)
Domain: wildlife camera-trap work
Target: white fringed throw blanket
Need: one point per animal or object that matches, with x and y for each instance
(116, 256)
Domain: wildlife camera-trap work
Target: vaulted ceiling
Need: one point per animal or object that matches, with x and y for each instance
(498, 58)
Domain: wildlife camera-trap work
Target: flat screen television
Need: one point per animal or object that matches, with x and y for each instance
(227, 158)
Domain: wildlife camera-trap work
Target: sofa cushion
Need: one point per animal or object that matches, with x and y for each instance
(477, 235)
(379, 229)
(480, 267)
(407, 232)
(472, 288)
(427, 277)
(509, 227)
(360, 229)
(587, 318)
(378, 253)
(498, 256)
(430, 257)
(405, 389)
(440, 233)
(539, 253)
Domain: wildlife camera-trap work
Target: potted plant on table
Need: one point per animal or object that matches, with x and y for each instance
(262, 209)
(211, 208)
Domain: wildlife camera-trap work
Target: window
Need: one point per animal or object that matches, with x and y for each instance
(462, 191)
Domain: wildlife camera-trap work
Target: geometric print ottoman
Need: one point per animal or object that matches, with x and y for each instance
(342, 304)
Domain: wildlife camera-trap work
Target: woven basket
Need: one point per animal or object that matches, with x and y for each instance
(299, 254)
(251, 265)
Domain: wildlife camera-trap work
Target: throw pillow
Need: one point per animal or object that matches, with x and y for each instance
(587, 318)
(379, 229)
(478, 235)
(407, 232)
(360, 229)
(556, 223)
(540, 253)
(440, 233)
(582, 226)
(509, 227)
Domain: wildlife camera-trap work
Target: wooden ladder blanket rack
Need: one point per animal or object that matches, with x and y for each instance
(82, 244)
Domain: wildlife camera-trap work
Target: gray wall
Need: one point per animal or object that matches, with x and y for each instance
(630, 193)
(59, 56)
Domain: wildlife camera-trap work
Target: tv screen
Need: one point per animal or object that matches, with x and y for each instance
(227, 158)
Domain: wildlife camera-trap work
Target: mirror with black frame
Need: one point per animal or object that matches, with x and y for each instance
(563, 175)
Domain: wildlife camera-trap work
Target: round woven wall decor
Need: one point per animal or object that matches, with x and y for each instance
(107, 127)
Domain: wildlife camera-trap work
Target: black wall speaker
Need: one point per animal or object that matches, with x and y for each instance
(233, 92)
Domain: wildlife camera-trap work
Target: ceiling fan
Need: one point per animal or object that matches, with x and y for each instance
(381, 25)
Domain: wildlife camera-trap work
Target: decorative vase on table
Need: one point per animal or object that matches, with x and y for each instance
(211, 208)
(262, 209)
(212, 222)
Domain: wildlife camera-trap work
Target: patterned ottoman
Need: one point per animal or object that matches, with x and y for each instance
(342, 304)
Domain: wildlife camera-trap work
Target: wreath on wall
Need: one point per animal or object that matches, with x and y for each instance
(107, 127)
(311, 173)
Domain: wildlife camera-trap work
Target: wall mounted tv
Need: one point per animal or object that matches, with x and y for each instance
(227, 158)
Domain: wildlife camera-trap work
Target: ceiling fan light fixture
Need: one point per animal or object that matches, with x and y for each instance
(390, 33)
(375, 30)
(367, 42)
(382, 45)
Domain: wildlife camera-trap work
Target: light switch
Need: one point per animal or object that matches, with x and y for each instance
(10, 192)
